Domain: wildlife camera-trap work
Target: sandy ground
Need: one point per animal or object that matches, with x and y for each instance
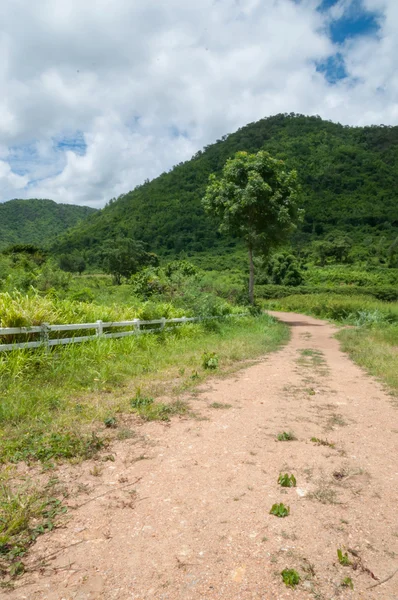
(183, 511)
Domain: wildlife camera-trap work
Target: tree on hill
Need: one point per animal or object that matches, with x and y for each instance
(256, 199)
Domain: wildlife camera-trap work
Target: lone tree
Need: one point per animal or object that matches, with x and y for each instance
(256, 199)
(123, 257)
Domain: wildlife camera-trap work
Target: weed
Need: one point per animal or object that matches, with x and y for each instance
(334, 421)
(320, 442)
(347, 582)
(308, 568)
(96, 471)
(139, 401)
(324, 494)
(287, 480)
(264, 538)
(279, 510)
(45, 447)
(286, 436)
(290, 577)
(210, 360)
(110, 422)
(25, 513)
(220, 405)
(343, 558)
(149, 410)
(126, 434)
(310, 357)
(195, 375)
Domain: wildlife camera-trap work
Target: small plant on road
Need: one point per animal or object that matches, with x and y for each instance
(320, 442)
(110, 422)
(279, 510)
(287, 480)
(286, 436)
(290, 577)
(347, 582)
(343, 558)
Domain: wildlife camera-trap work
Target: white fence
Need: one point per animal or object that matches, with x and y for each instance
(136, 327)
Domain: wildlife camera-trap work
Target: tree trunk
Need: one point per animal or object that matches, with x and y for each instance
(251, 276)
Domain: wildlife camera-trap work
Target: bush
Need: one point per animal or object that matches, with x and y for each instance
(384, 293)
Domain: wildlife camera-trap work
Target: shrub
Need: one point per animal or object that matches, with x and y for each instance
(210, 360)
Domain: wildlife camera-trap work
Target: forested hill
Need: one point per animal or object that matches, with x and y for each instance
(349, 178)
(37, 221)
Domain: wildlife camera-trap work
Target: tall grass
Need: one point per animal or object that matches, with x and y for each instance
(46, 399)
(376, 349)
(24, 310)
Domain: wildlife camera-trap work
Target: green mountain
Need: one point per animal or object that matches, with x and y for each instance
(349, 178)
(37, 221)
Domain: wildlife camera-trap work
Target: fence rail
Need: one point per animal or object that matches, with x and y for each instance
(137, 327)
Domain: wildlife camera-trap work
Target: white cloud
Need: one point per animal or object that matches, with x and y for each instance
(10, 182)
(129, 76)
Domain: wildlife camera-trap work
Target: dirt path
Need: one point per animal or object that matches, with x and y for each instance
(197, 525)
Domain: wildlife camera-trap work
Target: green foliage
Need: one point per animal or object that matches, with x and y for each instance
(343, 558)
(42, 446)
(149, 410)
(110, 422)
(374, 348)
(286, 436)
(25, 513)
(347, 582)
(210, 361)
(74, 263)
(281, 269)
(255, 199)
(279, 510)
(386, 294)
(332, 249)
(34, 221)
(140, 401)
(320, 442)
(123, 257)
(287, 480)
(290, 577)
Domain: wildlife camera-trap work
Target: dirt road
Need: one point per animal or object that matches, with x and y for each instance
(185, 507)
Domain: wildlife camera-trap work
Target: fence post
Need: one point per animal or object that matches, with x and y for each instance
(162, 326)
(136, 326)
(100, 328)
(45, 336)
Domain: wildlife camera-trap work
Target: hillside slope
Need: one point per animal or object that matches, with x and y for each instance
(349, 178)
(37, 221)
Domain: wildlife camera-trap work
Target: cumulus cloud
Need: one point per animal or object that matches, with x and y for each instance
(99, 95)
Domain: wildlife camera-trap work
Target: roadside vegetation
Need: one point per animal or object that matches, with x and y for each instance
(54, 403)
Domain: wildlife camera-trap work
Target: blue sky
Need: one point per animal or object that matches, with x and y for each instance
(100, 96)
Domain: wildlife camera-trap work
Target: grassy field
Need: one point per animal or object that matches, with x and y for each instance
(52, 403)
(376, 349)
(373, 343)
